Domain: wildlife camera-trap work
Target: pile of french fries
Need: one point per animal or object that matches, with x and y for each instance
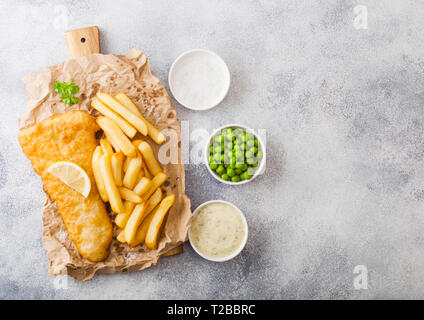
(127, 173)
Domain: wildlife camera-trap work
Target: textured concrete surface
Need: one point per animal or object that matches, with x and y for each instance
(343, 111)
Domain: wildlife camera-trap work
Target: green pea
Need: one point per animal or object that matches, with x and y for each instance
(238, 141)
(229, 130)
(237, 147)
(250, 136)
(211, 149)
(213, 166)
(237, 171)
(245, 176)
(210, 159)
(217, 148)
(226, 166)
(239, 165)
(220, 170)
(255, 150)
(225, 177)
(229, 146)
(249, 154)
(256, 142)
(259, 155)
(237, 132)
(243, 138)
(240, 159)
(250, 143)
(217, 157)
(251, 161)
(235, 179)
(230, 172)
(229, 154)
(222, 158)
(243, 146)
(240, 155)
(256, 164)
(233, 162)
(244, 167)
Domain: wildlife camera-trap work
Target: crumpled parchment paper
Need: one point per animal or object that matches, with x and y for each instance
(129, 73)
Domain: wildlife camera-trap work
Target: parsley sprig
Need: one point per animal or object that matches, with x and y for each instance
(67, 90)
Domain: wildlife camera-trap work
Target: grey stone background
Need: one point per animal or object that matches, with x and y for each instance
(343, 110)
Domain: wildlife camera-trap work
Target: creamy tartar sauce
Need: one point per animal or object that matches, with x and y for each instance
(217, 230)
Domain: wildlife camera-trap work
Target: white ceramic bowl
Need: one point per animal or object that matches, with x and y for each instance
(214, 174)
(235, 253)
(183, 72)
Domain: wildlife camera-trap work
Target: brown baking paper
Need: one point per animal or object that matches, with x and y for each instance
(129, 73)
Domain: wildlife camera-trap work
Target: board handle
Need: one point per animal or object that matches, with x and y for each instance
(82, 42)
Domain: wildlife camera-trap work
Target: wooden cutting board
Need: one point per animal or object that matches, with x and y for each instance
(82, 42)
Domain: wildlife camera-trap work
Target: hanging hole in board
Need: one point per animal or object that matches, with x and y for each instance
(82, 40)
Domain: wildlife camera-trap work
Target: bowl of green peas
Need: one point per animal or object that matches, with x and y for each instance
(234, 154)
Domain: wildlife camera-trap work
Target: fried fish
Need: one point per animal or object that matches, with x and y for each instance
(71, 137)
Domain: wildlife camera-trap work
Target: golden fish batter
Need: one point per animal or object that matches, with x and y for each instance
(71, 136)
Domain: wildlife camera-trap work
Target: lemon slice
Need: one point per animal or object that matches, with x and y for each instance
(72, 175)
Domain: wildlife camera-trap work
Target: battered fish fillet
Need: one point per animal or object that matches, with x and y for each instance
(71, 136)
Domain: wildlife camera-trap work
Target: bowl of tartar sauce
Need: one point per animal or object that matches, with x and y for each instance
(218, 230)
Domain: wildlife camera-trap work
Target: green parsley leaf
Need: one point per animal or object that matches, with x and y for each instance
(67, 90)
(72, 88)
(57, 87)
(74, 100)
(66, 100)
